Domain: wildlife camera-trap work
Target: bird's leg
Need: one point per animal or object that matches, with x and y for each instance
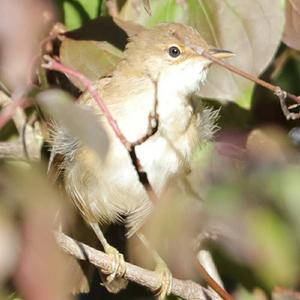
(118, 267)
(166, 277)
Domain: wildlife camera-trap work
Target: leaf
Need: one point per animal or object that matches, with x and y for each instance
(252, 29)
(93, 59)
(283, 186)
(291, 34)
(277, 262)
(77, 12)
(147, 7)
(10, 243)
(41, 209)
(81, 123)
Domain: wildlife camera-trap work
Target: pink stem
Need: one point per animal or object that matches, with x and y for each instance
(55, 65)
(8, 112)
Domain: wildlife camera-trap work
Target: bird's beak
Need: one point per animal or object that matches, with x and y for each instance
(220, 53)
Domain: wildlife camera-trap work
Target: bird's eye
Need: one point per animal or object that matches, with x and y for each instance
(174, 51)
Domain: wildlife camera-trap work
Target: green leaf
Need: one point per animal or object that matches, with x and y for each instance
(93, 59)
(283, 186)
(251, 29)
(277, 255)
(162, 11)
(245, 100)
(77, 12)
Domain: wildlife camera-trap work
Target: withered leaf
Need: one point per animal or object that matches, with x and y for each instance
(291, 34)
(147, 7)
(80, 122)
(93, 59)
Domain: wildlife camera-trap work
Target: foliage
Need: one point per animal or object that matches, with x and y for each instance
(247, 180)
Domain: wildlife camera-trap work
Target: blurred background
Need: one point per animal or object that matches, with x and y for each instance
(241, 200)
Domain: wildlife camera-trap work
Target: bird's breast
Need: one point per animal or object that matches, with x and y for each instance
(168, 153)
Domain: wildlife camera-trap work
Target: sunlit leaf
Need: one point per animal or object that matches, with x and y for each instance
(91, 58)
(250, 29)
(244, 100)
(77, 12)
(162, 11)
(291, 34)
(80, 122)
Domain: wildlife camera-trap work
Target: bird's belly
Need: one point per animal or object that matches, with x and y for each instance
(163, 158)
(108, 190)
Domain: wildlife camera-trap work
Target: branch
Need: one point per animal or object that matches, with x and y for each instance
(281, 94)
(12, 150)
(182, 288)
(12, 110)
(16, 150)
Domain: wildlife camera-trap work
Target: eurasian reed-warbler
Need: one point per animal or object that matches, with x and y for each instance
(161, 64)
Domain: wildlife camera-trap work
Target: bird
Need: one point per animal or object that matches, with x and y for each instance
(162, 68)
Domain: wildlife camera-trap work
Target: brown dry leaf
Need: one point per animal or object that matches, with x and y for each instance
(10, 246)
(41, 272)
(91, 58)
(171, 230)
(291, 34)
(147, 7)
(282, 293)
(268, 144)
(252, 29)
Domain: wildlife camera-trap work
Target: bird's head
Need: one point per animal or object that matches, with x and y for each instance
(172, 52)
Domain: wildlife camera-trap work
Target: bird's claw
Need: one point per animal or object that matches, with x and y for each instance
(165, 287)
(118, 267)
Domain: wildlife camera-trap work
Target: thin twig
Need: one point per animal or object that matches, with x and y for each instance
(55, 65)
(246, 75)
(45, 46)
(8, 112)
(281, 94)
(275, 89)
(15, 150)
(212, 282)
(182, 288)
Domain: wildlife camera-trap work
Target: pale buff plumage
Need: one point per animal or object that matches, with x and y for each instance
(107, 190)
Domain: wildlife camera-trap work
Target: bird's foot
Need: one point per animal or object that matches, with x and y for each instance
(165, 287)
(118, 267)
